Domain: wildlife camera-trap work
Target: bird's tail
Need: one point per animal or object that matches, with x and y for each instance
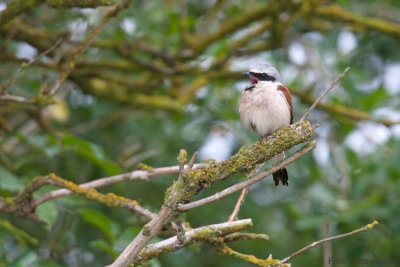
(282, 174)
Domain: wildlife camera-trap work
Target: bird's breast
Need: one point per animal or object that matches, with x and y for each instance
(265, 110)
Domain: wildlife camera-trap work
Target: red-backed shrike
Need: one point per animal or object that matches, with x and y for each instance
(265, 107)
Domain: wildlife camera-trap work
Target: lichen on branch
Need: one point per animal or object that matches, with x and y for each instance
(245, 160)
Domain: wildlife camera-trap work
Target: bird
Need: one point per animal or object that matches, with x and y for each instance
(265, 106)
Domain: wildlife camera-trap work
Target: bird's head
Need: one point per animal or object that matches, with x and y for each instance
(262, 72)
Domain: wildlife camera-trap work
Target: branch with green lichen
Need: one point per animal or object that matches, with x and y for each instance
(79, 3)
(144, 173)
(246, 183)
(346, 112)
(216, 233)
(185, 188)
(46, 93)
(200, 42)
(268, 262)
(19, 7)
(16, 8)
(23, 205)
(337, 13)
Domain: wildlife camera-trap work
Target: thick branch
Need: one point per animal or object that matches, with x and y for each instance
(16, 8)
(239, 186)
(335, 12)
(200, 42)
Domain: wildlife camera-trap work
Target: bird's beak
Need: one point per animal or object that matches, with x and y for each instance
(253, 79)
(248, 74)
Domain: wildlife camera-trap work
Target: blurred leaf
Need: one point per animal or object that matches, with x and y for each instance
(108, 227)
(92, 152)
(104, 246)
(47, 212)
(45, 263)
(22, 236)
(9, 181)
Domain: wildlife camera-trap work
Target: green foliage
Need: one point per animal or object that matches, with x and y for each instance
(101, 126)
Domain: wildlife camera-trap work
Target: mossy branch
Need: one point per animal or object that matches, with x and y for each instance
(268, 262)
(16, 8)
(183, 190)
(79, 3)
(21, 6)
(337, 13)
(23, 204)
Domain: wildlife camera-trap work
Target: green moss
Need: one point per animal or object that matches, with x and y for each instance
(146, 230)
(182, 157)
(145, 167)
(79, 3)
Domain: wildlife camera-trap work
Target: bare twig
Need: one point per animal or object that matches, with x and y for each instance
(130, 176)
(239, 186)
(326, 91)
(182, 157)
(191, 162)
(15, 98)
(317, 243)
(70, 65)
(238, 205)
(25, 65)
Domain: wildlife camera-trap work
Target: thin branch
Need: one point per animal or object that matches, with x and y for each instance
(130, 176)
(205, 233)
(191, 162)
(326, 91)
(24, 206)
(245, 236)
(268, 262)
(25, 65)
(239, 186)
(238, 205)
(76, 52)
(317, 243)
(345, 112)
(16, 99)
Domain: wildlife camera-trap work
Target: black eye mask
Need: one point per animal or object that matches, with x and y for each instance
(263, 77)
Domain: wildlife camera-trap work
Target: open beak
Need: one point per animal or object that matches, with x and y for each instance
(248, 74)
(253, 79)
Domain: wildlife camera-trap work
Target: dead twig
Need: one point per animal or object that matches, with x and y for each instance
(238, 205)
(25, 65)
(317, 243)
(324, 93)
